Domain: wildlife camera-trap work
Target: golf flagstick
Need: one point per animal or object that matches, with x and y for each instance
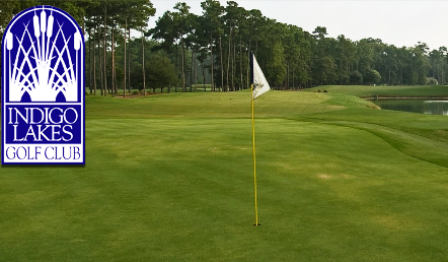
(254, 154)
(259, 85)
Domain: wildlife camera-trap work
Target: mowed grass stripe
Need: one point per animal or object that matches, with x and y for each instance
(421, 147)
(210, 105)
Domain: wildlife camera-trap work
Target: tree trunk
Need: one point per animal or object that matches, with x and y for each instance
(176, 68)
(233, 66)
(124, 58)
(129, 60)
(94, 65)
(196, 69)
(241, 67)
(203, 76)
(184, 88)
(83, 27)
(211, 62)
(100, 65)
(293, 75)
(248, 61)
(228, 61)
(222, 71)
(192, 71)
(143, 63)
(114, 79)
(90, 60)
(104, 51)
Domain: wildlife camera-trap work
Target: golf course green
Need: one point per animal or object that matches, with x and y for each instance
(169, 177)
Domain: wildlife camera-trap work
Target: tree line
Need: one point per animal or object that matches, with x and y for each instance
(185, 50)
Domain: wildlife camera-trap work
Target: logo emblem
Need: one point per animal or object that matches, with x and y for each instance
(43, 89)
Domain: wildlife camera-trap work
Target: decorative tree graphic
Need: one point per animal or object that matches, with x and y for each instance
(45, 53)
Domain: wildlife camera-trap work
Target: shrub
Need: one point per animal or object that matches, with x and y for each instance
(356, 78)
(371, 76)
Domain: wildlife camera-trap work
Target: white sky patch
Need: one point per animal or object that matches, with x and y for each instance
(400, 23)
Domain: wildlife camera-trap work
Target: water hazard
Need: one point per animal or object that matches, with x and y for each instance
(429, 107)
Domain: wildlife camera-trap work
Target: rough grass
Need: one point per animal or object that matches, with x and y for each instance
(169, 178)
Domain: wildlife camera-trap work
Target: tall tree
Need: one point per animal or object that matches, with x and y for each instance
(182, 20)
(147, 11)
(230, 22)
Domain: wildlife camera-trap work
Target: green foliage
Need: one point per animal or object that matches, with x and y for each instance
(160, 71)
(371, 76)
(326, 70)
(275, 70)
(356, 78)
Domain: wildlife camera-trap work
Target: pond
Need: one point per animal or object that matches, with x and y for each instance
(429, 107)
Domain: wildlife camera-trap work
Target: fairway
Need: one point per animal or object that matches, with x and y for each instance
(169, 178)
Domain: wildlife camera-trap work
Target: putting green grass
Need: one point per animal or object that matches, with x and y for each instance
(169, 178)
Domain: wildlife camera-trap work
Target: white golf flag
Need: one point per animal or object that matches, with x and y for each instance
(260, 83)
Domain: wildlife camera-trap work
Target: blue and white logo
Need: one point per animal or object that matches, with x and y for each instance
(43, 89)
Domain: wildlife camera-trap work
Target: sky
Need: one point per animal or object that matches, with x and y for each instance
(399, 23)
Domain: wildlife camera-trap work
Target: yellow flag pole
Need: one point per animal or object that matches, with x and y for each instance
(254, 156)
